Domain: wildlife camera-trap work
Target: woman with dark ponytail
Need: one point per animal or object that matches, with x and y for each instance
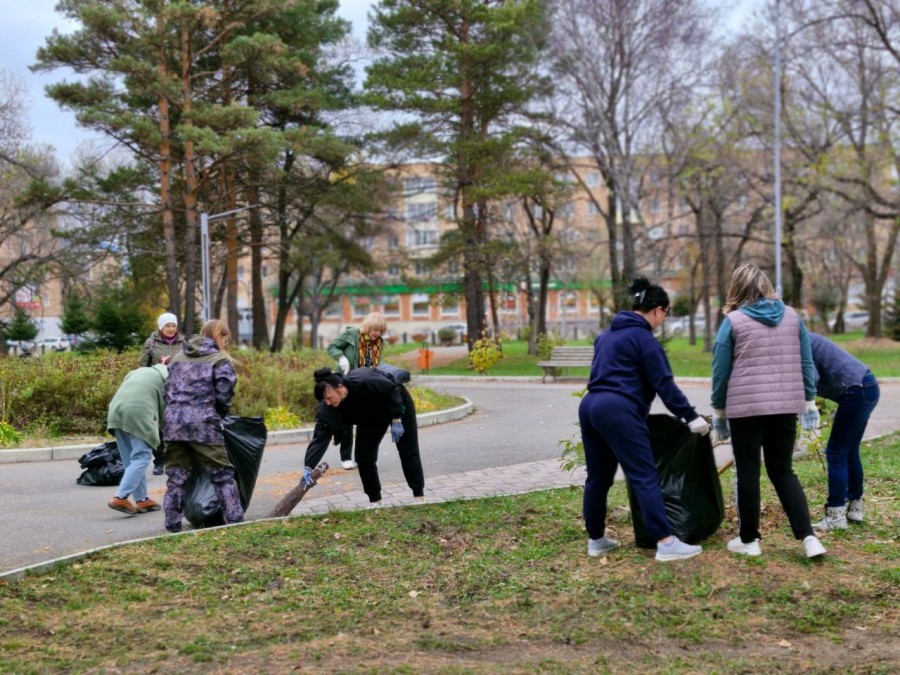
(374, 402)
(629, 369)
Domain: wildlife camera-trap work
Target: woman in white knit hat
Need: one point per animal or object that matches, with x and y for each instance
(160, 347)
(163, 343)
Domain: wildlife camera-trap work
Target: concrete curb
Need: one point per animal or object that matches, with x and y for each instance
(285, 437)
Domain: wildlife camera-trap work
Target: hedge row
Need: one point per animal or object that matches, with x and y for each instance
(68, 394)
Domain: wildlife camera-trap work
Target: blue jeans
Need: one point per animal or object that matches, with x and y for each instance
(136, 457)
(845, 471)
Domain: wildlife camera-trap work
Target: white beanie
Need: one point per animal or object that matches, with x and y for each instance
(166, 318)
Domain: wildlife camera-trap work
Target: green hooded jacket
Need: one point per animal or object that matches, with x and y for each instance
(138, 406)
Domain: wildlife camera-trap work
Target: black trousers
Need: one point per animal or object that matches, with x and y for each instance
(775, 435)
(369, 437)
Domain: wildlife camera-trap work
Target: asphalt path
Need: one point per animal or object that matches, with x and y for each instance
(45, 515)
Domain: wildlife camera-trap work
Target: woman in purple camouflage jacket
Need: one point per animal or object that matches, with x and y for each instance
(198, 394)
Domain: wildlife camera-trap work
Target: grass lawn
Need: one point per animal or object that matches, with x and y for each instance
(485, 586)
(883, 358)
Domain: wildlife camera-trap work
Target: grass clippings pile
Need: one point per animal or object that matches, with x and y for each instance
(494, 585)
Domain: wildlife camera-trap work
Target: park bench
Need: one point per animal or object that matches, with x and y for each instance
(562, 358)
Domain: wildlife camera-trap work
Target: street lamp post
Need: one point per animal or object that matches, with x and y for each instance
(777, 153)
(206, 306)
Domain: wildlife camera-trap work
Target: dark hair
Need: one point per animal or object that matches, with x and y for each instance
(646, 296)
(325, 376)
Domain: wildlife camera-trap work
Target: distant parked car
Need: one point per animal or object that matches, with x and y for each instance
(460, 329)
(679, 326)
(56, 344)
(852, 321)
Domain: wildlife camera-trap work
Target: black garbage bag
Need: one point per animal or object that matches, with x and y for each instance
(102, 465)
(689, 480)
(397, 374)
(245, 441)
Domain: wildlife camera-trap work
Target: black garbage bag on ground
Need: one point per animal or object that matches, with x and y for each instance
(689, 481)
(102, 465)
(245, 441)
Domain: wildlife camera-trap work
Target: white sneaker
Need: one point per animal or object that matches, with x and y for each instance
(813, 547)
(598, 547)
(348, 464)
(676, 550)
(737, 546)
(855, 511)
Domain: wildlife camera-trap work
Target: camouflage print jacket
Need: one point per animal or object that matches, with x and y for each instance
(198, 394)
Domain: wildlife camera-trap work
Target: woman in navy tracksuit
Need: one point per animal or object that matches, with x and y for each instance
(629, 369)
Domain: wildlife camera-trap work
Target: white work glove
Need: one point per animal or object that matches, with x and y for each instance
(699, 426)
(809, 418)
(344, 364)
(720, 425)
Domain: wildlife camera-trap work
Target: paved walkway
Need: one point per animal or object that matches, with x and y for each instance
(504, 480)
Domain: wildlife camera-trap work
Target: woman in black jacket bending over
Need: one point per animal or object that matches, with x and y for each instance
(372, 401)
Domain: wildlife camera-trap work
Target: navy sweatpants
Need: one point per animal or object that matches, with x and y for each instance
(614, 432)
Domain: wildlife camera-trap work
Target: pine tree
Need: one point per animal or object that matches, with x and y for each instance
(462, 74)
(75, 320)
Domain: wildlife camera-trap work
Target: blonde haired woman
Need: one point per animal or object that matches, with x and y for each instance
(198, 394)
(763, 376)
(358, 348)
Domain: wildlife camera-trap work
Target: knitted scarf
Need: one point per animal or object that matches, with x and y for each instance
(369, 351)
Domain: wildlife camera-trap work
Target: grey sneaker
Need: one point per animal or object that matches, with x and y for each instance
(737, 546)
(676, 550)
(835, 519)
(813, 547)
(855, 511)
(597, 547)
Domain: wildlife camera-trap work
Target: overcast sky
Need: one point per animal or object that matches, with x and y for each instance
(25, 27)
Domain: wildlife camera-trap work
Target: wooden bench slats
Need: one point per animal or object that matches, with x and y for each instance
(566, 357)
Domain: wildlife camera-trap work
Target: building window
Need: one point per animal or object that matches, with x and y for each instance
(418, 211)
(567, 210)
(393, 270)
(452, 267)
(568, 302)
(593, 179)
(449, 306)
(593, 209)
(417, 238)
(417, 185)
(334, 308)
(390, 305)
(361, 305)
(264, 270)
(240, 271)
(393, 241)
(655, 206)
(422, 268)
(450, 212)
(421, 305)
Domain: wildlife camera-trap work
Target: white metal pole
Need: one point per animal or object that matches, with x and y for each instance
(204, 265)
(778, 215)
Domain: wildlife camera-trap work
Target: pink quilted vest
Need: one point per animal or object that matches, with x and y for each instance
(766, 376)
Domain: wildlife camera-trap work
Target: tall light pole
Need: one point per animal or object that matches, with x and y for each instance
(206, 307)
(778, 284)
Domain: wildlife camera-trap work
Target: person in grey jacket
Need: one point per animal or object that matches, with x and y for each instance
(135, 417)
(357, 348)
(762, 379)
(198, 395)
(848, 382)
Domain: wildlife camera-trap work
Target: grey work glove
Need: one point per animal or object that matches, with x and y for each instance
(809, 418)
(396, 431)
(720, 425)
(307, 477)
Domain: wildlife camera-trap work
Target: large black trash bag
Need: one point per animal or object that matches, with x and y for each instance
(245, 441)
(102, 465)
(689, 481)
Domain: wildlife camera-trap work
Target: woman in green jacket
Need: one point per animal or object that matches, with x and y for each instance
(358, 348)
